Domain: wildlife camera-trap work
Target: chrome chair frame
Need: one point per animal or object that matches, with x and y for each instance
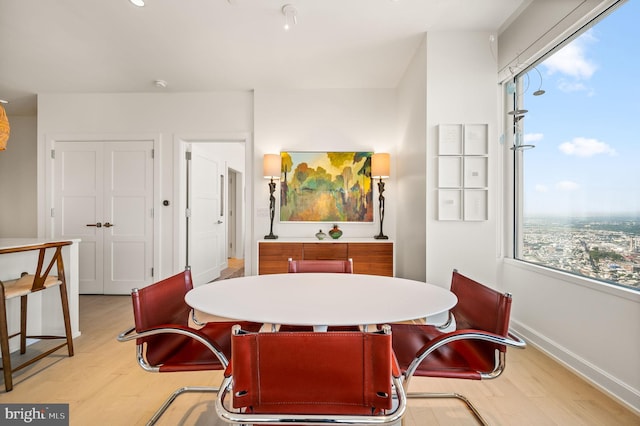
(131, 334)
(513, 341)
(500, 364)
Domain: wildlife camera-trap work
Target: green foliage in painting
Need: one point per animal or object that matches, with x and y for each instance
(326, 187)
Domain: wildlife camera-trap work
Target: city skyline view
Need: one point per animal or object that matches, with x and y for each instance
(584, 127)
(603, 249)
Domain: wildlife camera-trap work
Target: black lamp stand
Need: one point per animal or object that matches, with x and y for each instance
(272, 210)
(381, 236)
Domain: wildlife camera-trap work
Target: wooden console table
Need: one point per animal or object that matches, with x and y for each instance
(370, 257)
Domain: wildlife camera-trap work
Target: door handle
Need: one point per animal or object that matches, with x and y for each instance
(108, 225)
(97, 225)
(219, 222)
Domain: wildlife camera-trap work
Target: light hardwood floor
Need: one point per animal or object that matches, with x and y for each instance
(104, 385)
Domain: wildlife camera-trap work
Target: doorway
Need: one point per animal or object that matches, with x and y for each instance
(212, 191)
(235, 213)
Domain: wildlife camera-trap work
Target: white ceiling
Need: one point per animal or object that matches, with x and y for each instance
(54, 46)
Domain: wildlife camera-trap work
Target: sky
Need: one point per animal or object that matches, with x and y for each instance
(586, 127)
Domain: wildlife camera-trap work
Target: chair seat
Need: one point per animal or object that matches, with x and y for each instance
(460, 359)
(22, 286)
(190, 355)
(287, 327)
(328, 409)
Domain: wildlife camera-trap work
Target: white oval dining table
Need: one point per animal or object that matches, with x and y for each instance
(321, 299)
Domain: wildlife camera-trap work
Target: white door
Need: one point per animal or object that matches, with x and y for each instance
(78, 206)
(103, 194)
(206, 229)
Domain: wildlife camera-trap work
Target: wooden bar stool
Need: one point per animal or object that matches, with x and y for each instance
(22, 287)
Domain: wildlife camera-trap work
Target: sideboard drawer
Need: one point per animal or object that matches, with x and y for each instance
(273, 257)
(372, 258)
(324, 251)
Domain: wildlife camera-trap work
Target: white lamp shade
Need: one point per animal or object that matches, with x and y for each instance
(271, 166)
(380, 166)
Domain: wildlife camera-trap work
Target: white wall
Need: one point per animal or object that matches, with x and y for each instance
(166, 116)
(324, 120)
(18, 174)
(302, 120)
(592, 328)
(461, 89)
(411, 169)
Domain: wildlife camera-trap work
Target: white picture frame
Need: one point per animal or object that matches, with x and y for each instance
(450, 172)
(476, 204)
(475, 172)
(476, 139)
(450, 139)
(449, 204)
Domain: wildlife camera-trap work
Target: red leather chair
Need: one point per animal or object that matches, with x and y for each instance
(475, 350)
(311, 378)
(336, 266)
(329, 266)
(166, 343)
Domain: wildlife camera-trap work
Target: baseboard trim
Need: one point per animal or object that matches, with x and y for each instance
(612, 386)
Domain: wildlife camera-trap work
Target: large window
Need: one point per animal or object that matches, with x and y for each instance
(577, 152)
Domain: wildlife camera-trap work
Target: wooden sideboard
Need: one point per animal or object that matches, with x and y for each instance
(369, 257)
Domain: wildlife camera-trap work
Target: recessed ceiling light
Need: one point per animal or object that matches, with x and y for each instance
(138, 3)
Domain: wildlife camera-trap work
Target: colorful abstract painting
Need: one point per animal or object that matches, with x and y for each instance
(326, 187)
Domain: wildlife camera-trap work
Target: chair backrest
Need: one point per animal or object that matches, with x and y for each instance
(162, 303)
(41, 278)
(320, 265)
(333, 266)
(312, 373)
(480, 307)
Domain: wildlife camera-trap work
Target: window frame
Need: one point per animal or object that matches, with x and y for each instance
(514, 167)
